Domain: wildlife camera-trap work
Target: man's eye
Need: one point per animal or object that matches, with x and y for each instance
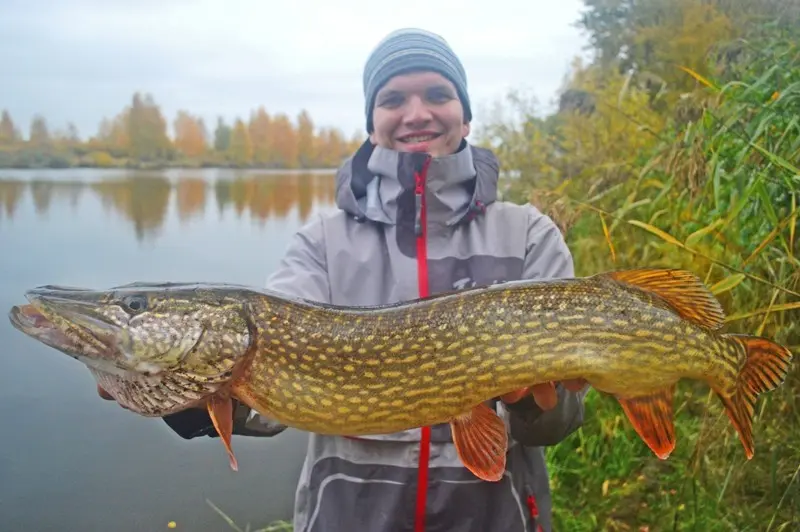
(391, 101)
(439, 96)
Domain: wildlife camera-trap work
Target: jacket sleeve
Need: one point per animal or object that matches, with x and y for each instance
(302, 272)
(547, 257)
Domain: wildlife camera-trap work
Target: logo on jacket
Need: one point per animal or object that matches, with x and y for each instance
(468, 282)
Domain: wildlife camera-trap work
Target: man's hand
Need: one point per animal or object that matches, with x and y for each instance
(544, 394)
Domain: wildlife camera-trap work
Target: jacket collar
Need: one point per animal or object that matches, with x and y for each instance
(371, 183)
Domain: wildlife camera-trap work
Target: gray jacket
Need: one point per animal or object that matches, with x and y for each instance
(366, 254)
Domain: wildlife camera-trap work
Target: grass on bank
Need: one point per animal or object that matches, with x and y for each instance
(276, 526)
(719, 196)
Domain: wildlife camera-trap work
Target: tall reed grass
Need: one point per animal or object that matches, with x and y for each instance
(719, 196)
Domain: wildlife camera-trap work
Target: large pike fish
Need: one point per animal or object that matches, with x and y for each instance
(162, 348)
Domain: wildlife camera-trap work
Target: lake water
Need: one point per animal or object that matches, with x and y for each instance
(68, 459)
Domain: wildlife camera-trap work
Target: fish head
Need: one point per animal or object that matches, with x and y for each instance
(193, 335)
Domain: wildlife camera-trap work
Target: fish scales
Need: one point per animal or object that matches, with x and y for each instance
(316, 369)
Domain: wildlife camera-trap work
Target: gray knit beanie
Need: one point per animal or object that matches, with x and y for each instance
(407, 50)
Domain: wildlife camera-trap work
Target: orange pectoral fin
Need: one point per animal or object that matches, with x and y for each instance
(652, 417)
(481, 442)
(221, 411)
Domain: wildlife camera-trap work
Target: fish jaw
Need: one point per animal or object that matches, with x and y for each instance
(28, 320)
(85, 345)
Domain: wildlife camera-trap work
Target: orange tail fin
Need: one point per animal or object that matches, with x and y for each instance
(765, 369)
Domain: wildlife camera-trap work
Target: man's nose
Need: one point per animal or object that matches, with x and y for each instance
(417, 111)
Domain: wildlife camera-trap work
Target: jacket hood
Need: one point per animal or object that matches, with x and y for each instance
(378, 184)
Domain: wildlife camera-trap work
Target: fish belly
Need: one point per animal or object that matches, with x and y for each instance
(640, 368)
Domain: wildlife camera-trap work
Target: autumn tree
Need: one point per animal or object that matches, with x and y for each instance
(8, 131)
(39, 134)
(147, 129)
(222, 136)
(240, 150)
(190, 134)
(330, 147)
(66, 138)
(71, 135)
(356, 140)
(284, 141)
(306, 155)
(262, 137)
(654, 38)
(113, 135)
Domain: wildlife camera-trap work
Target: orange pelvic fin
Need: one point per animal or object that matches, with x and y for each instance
(651, 416)
(681, 289)
(481, 442)
(765, 369)
(221, 411)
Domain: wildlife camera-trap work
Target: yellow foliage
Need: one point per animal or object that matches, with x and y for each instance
(261, 136)
(190, 135)
(681, 34)
(285, 141)
(240, 150)
(100, 159)
(305, 139)
(601, 147)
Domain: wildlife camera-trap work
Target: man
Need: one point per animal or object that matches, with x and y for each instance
(418, 215)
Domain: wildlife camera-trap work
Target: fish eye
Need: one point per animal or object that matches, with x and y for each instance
(135, 303)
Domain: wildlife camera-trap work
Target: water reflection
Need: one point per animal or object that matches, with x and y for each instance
(144, 200)
(10, 194)
(79, 227)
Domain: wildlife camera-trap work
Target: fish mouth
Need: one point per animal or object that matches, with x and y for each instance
(27, 319)
(67, 319)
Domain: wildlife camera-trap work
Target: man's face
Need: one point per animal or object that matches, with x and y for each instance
(419, 112)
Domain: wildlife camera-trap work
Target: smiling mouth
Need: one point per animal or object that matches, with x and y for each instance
(416, 139)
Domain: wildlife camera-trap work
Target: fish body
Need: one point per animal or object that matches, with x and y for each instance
(361, 371)
(367, 370)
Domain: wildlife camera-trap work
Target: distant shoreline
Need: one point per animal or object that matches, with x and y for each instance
(133, 169)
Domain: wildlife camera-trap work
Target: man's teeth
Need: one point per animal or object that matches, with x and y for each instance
(422, 138)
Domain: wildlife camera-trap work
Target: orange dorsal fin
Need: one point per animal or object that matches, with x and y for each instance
(481, 442)
(221, 411)
(651, 416)
(765, 369)
(681, 289)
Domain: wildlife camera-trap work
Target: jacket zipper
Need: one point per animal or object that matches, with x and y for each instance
(421, 231)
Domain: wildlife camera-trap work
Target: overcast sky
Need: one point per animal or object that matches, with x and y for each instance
(81, 60)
